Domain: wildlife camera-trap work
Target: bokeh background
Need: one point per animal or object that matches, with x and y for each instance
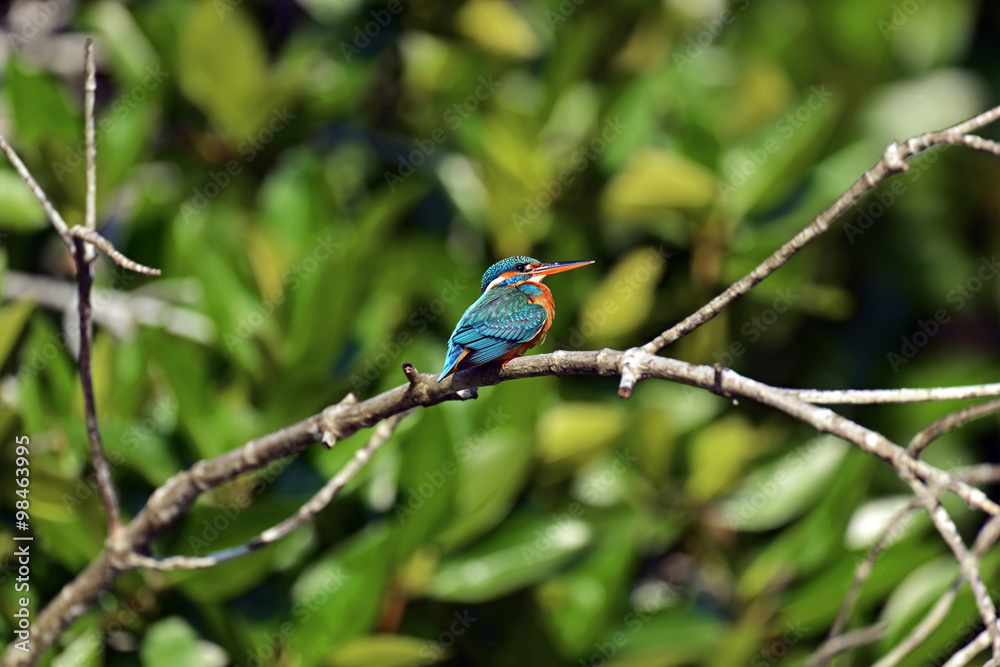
(323, 183)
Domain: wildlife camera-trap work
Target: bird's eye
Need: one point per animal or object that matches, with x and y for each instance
(520, 267)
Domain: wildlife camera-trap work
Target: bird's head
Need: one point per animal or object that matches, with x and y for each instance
(520, 269)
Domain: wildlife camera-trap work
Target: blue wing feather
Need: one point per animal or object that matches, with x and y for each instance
(499, 321)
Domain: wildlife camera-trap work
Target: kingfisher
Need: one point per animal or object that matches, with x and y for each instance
(512, 316)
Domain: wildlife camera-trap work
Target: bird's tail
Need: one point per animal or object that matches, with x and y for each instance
(455, 354)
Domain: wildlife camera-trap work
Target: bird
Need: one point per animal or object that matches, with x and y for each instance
(512, 315)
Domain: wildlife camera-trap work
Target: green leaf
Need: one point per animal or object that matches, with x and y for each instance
(764, 170)
(427, 482)
(578, 607)
(173, 643)
(222, 67)
(575, 431)
(386, 651)
(773, 495)
(14, 317)
(522, 551)
(41, 108)
(19, 210)
(340, 595)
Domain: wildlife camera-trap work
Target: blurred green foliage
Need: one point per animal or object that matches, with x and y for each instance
(326, 181)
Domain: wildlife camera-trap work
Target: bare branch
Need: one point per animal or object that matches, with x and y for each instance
(965, 654)
(106, 488)
(50, 210)
(865, 568)
(968, 562)
(927, 625)
(89, 90)
(121, 260)
(893, 161)
(168, 503)
(77, 231)
(948, 423)
(834, 646)
(126, 544)
(304, 515)
(877, 396)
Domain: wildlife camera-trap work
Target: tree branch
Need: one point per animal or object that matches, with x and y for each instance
(878, 396)
(834, 646)
(304, 515)
(106, 488)
(89, 91)
(337, 422)
(948, 423)
(894, 160)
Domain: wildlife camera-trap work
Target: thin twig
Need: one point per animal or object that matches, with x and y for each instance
(89, 91)
(877, 396)
(865, 568)
(948, 423)
(924, 628)
(986, 538)
(965, 654)
(50, 210)
(968, 562)
(121, 260)
(57, 221)
(834, 646)
(972, 474)
(306, 513)
(169, 502)
(894, 160)
(105, 486)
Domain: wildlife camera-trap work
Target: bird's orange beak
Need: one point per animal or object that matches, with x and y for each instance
(557, 267)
